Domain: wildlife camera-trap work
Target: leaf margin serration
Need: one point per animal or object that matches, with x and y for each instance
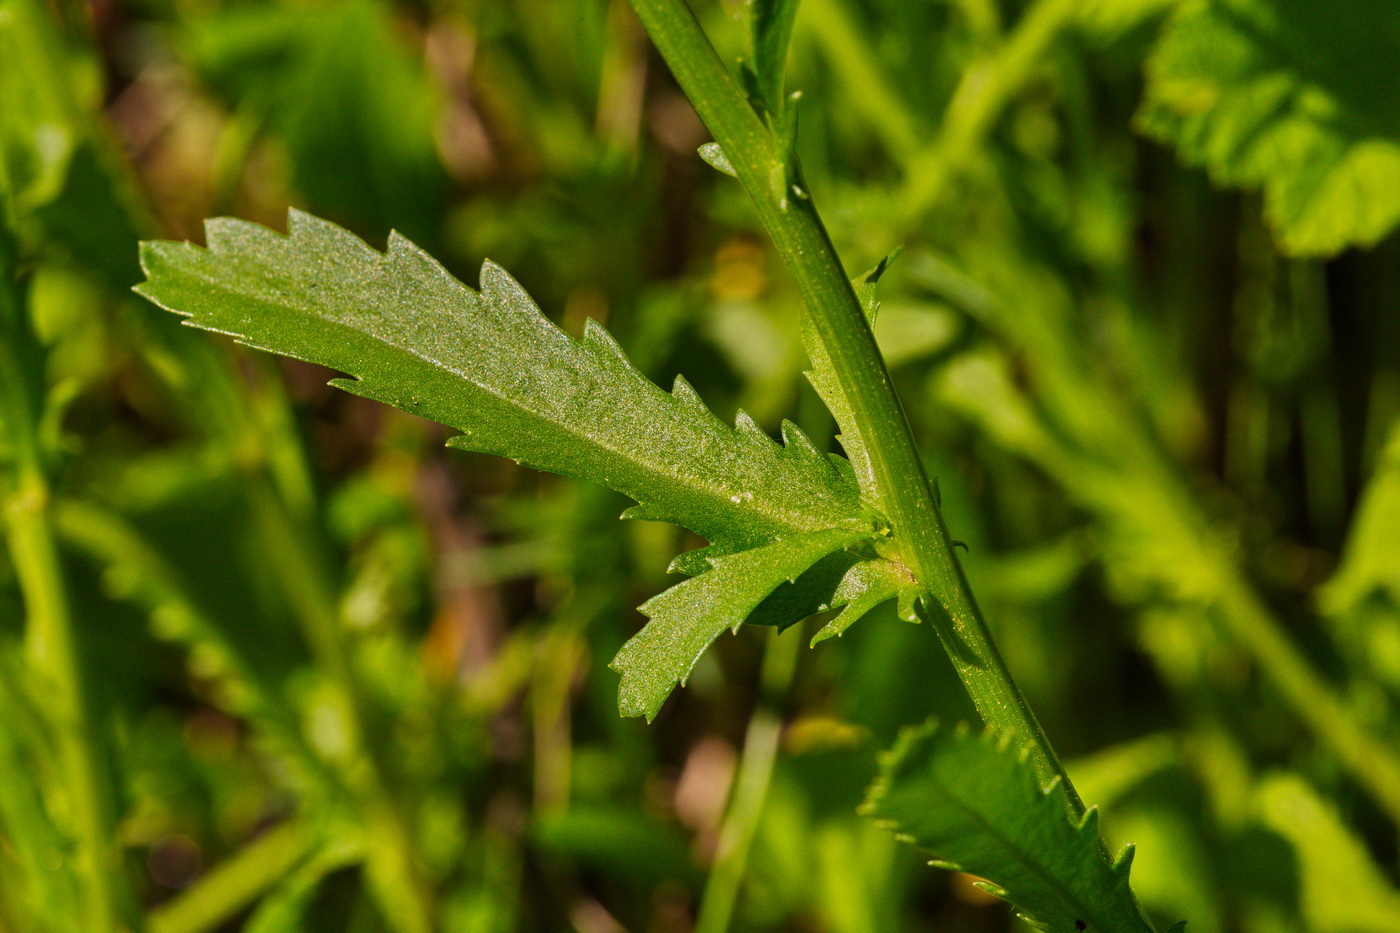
(918, 745)
(723, 511)
(733, 587)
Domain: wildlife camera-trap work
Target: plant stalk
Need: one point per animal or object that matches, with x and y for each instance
(391, 853)
(52, 644)
(50, 633)
(235, 883)
(902, 490)
(751, 781)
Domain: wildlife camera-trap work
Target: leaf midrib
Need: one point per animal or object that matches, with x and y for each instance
(1044, 874)
(774, 515)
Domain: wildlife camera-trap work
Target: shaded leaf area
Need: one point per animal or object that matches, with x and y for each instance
(1298, 98)
(491, 365)
(685, 619)
(978, 807)
(851, 582)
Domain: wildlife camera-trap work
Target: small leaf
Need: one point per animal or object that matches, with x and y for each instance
(716, 159)
(771, 23)
(491, 365)
(853, 582)
(1296, 97)
(685, 619)
(975, 803)
(865, 586)
(823, 375)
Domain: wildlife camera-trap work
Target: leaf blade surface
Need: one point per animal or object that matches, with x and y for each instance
(687, 618)
(491, 365)
(978, 807)
(1295, 97)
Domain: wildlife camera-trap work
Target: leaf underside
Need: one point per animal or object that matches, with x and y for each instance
(685, 619)
(491, 365)
(974, 803)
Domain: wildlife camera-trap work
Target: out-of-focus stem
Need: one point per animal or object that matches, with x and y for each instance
(50, 633)
(841, 40)
(1139, 489)
(391, 851)
(751, 781)
(981, 97)
(51, 641)
(235, 883)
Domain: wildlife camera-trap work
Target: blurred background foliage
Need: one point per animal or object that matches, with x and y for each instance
(272, 659)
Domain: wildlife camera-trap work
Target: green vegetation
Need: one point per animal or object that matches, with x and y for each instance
(272, 659)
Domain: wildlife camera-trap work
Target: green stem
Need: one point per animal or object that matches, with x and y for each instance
(1327, 714)
(981, 97)
(751, 781)
(902, 490)
(235, 883)
(50, 633)
(52, 645)
(392, 864)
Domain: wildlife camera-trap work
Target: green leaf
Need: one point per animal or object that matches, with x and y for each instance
(771, 23)
(865, 586)
(687, 618)
(976, 804)
(491, 365)
(1297, 97)
(1341, 888)
(846, 580)
(823, 377)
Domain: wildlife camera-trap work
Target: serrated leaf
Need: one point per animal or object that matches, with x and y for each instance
(687, 618)
(975, 803)
(491, 365)
(823, 376)
(1297, 97)
(865, 586)
(852, 582)
(771, 23)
